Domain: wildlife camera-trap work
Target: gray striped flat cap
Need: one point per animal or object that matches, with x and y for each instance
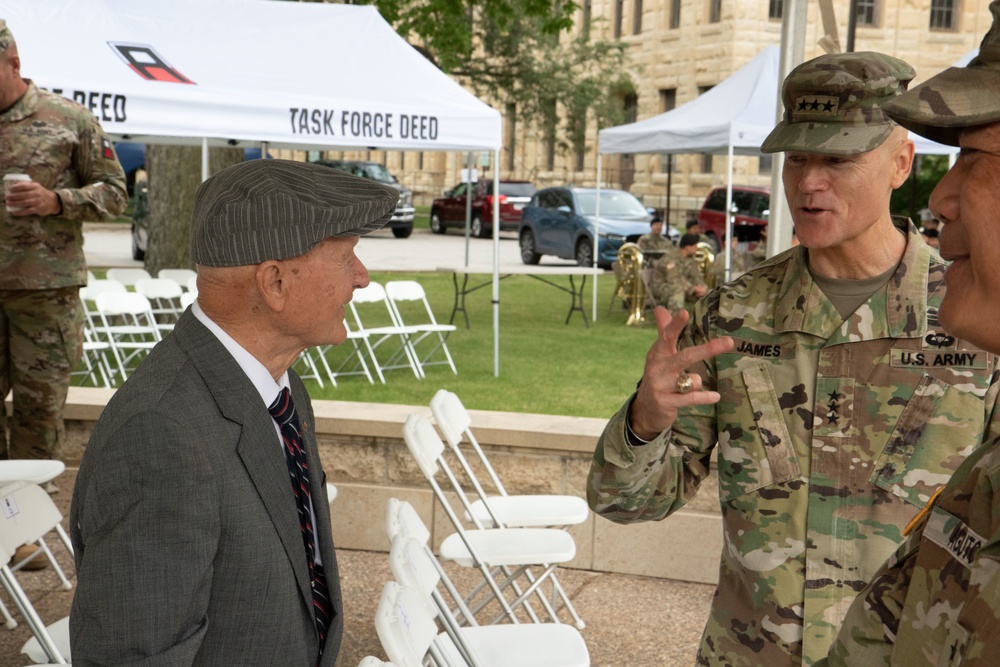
(278, 209)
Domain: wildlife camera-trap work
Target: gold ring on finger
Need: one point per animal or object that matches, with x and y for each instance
(684, 383)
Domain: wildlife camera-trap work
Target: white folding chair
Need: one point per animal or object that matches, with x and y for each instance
(501, 508)
(94, 360)
(128, 325)
(531, 645)
(402, 520)
(192, 284)
(381, 328)
(360, 366)
(179, 276)
(372, 661)
(164, 298)
(27, 513)
(406, 627)
(127, 277)
(305, 360)
(187, 299)
(420, 317)
(511, 551)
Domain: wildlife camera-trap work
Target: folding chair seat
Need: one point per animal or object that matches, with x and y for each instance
(501, 508)
(28, 514)
(164, 298)
(381, 328)
(523, 645)
(127, 277)
(512, 552)
(187, 299)
(128, 325)
(179, 276)
(420, 317)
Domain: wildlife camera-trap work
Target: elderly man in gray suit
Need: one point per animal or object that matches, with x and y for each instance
(200, 517)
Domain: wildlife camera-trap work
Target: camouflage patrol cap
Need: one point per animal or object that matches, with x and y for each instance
(957, 98)
(833, 104)
(6, 38)
(260, 210)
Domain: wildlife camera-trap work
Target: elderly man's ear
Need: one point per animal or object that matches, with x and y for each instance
(272, 280)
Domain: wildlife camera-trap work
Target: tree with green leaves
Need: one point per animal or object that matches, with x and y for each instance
(521, 53)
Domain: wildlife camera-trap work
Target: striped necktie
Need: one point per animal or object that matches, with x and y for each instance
(283, 411)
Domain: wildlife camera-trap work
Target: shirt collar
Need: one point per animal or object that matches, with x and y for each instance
(254, 370)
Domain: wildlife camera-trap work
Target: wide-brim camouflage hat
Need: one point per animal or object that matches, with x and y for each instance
(278, 209)
(957, 98)
(833, 104)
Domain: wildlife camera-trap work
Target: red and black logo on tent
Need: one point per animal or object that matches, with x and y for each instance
(147, 63)
(106, 150)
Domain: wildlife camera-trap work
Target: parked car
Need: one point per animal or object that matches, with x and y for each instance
(560, 221)
(401, 221)
(751, 210)
(449, 210)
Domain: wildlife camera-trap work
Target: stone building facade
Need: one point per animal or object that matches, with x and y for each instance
(678, 49)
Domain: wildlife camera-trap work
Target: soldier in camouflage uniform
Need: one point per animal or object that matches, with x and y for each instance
(677, 281)
(75, 176)
(655, 241)
(936, 601)
(838, 403)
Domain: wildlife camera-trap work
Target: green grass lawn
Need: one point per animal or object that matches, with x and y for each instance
(546, 366)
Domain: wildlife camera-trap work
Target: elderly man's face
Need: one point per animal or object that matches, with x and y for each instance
(836, 199)
(324, 282)
(966, 201)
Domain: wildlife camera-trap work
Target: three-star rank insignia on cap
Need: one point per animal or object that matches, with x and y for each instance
(106, 149)
(817, 105)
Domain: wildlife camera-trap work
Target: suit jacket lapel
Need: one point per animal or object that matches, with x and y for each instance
(258, 447)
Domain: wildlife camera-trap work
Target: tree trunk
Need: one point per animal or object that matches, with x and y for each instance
(174, 176)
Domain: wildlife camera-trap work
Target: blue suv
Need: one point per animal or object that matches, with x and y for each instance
(560, 221)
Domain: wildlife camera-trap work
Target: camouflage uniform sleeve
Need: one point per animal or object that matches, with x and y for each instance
(649, 482)
(102, 194)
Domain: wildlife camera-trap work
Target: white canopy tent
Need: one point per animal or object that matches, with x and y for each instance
(733, 118)
(238, 72)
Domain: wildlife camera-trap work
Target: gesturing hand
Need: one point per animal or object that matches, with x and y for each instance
(665, 386)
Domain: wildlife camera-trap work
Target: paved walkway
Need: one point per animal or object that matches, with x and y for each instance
(631, 621)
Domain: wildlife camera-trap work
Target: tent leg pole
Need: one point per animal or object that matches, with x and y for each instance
(596, 238)
(496, 263)
(204, 159)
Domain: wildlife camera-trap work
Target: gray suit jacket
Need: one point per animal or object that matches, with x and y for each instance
(187, 538)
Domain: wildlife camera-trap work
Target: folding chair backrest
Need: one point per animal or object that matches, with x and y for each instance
(158, 288)
(95, 287)
(127, 277)
(454, 421)
(451, 416)
(411, 566)
(374, 293)
(179, 276)
(131, 304)
(402, 519)
(26, 514)
(404, 624)
(402, 291)
(424, 444)
(372, 661)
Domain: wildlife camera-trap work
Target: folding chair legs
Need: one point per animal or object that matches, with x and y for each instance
(28, 612)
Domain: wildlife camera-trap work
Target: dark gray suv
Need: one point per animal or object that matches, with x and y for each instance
(402, 220)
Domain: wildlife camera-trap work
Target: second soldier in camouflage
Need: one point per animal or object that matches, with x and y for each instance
(842, 404)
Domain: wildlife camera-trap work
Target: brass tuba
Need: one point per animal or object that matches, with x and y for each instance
(706, 262)
(631, 287)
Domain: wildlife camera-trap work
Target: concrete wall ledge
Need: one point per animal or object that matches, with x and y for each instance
(364, 455)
